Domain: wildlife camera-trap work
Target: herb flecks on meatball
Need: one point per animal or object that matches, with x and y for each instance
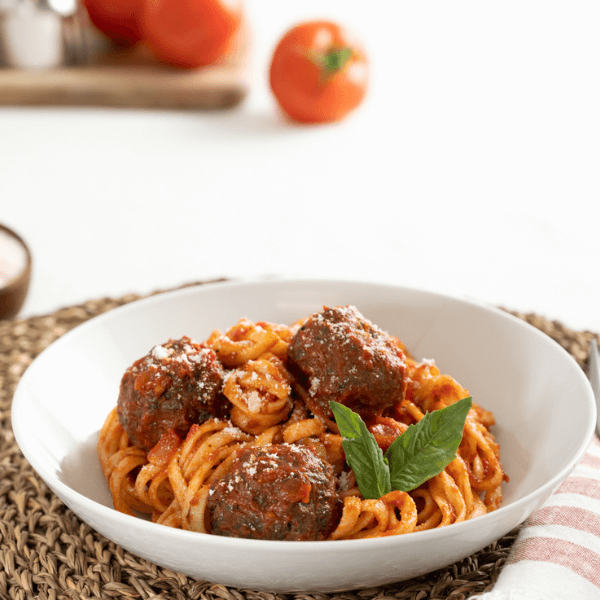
(174, 386)
(339, 355)
(275, 492)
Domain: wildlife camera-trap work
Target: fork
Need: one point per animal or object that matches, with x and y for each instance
(594, 375)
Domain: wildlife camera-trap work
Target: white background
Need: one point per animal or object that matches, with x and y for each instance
(471, 169)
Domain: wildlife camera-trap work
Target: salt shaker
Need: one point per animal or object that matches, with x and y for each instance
(32, 32)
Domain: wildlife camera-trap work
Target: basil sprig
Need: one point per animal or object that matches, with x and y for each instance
(421, 452)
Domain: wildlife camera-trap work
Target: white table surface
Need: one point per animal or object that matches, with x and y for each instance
(471, 169)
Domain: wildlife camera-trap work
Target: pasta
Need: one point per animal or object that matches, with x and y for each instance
(270, 408)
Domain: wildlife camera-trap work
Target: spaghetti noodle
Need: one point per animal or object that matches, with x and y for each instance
(262, 445)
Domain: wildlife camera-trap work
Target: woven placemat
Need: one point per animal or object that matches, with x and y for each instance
(46, 551)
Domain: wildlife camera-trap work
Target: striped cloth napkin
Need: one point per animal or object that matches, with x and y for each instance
(557, 552)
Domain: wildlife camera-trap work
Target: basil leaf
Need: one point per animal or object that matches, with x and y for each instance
(427, 447)
(363, 454)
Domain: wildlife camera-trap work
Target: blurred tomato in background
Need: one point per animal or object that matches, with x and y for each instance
(118, 19)
(190, 33)
(319, 72)
(183, 33)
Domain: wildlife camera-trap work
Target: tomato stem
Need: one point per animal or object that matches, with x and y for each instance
(334, 60)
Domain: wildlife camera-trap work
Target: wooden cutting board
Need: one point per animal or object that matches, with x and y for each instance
(129, 78)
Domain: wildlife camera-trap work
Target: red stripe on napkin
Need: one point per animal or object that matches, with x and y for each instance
(584, 486)
(580, 560)
(574, 518)
(589, 460)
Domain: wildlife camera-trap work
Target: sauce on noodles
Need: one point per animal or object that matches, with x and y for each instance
(234, 436)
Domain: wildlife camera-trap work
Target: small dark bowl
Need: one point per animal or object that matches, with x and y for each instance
(14, 290)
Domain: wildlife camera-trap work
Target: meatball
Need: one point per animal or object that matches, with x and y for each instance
(174, 386)
(275, 492)
(339, 355)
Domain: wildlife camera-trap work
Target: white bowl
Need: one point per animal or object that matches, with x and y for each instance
(540, 397)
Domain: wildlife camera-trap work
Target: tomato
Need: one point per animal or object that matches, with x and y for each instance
(318, 73)
(191, 33)
(118, 19)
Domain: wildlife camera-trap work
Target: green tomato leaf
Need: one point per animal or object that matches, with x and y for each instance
(334, 60)
(428, 447)
(363, 454)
